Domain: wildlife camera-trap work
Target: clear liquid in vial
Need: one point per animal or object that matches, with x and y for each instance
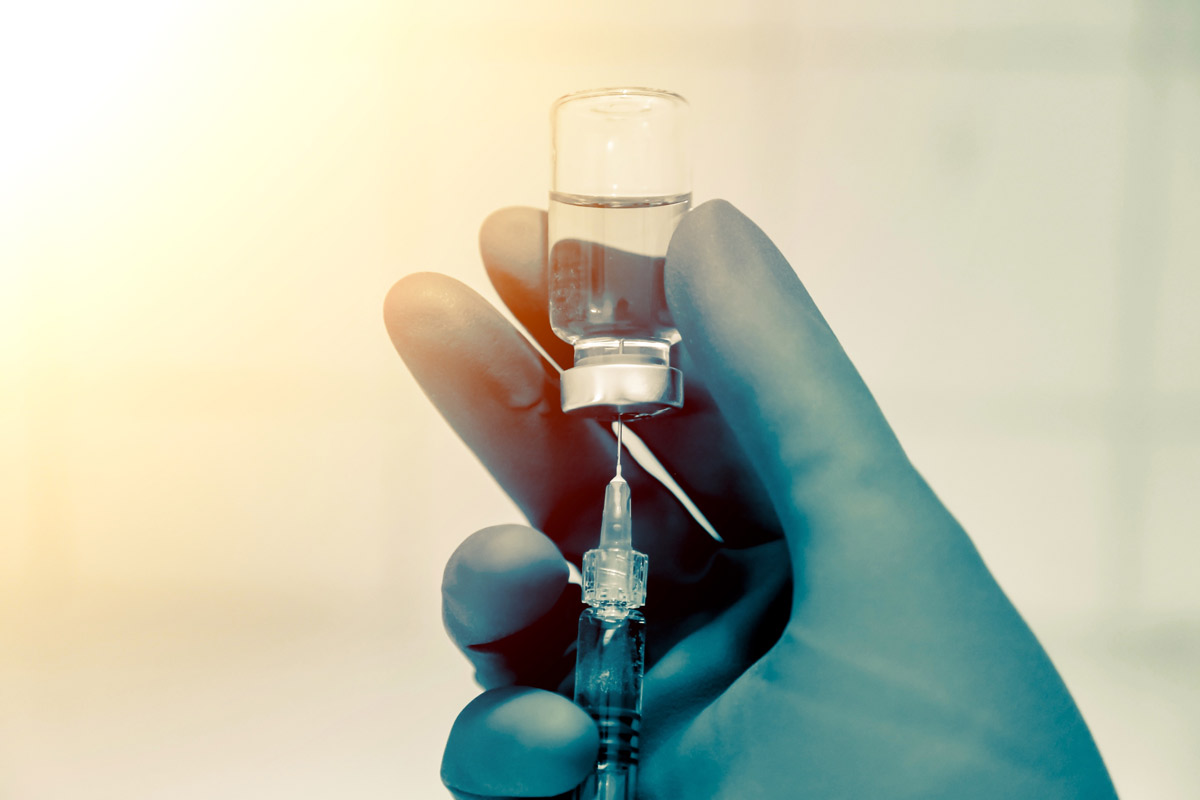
(606, 259)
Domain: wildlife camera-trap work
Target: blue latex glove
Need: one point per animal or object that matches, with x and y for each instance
(845, 642)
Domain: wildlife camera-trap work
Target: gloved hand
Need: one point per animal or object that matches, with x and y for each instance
(845, 641)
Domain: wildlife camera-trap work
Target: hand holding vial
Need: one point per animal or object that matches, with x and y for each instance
(844, 640)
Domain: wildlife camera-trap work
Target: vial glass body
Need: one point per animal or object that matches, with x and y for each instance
(609, 665)
(620, 183)
(606, 258)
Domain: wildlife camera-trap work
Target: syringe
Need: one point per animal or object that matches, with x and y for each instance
(610, 655)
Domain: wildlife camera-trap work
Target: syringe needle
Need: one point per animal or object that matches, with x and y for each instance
(620, 430)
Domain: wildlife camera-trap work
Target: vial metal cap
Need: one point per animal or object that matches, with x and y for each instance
(629, 390)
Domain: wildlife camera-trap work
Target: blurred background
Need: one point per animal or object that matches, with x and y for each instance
(225, 506)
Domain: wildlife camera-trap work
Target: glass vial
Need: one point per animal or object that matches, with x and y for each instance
(608, 685)
(620, 182)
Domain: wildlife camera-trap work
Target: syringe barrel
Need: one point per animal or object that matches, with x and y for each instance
(609, 665)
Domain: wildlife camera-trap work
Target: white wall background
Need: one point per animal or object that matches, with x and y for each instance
(225, 507)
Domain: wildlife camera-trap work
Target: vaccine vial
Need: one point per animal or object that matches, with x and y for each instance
(620, 181)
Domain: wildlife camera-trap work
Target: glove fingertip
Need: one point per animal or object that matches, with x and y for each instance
(500, 580)
(519, 742)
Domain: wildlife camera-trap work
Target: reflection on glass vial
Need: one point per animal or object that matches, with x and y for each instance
(606, 269)
(608, 685)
